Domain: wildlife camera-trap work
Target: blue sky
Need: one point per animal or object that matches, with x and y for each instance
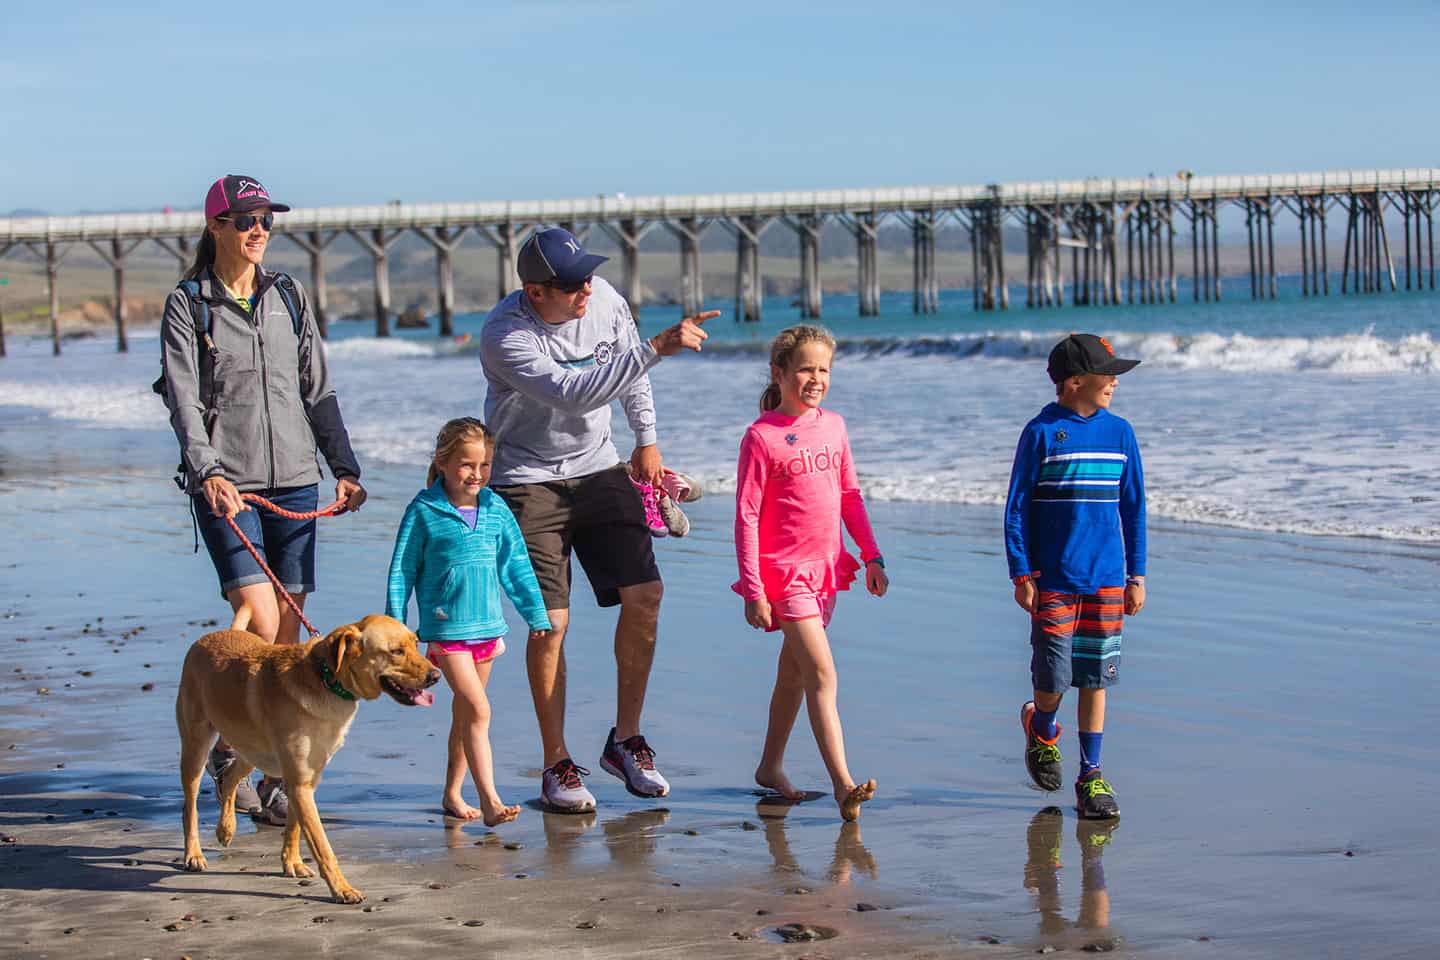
(133, 107)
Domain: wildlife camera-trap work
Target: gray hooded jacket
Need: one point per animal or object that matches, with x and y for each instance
(255, 413)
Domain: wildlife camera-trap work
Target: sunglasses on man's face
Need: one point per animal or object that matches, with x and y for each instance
(245, 222)
(568, 287)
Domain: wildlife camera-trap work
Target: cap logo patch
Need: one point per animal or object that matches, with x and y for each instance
(1106, 344)
(572, 246)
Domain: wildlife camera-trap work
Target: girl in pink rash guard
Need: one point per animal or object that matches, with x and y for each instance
(796, 484)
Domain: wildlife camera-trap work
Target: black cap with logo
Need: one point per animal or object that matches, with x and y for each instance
(1082, 353)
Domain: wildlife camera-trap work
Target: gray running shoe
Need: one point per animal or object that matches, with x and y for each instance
(633, 761)
(246, 799)
(274, 804)
(675, 520)
(562, 790)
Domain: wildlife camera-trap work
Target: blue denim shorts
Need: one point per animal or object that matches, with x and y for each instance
(288, 546)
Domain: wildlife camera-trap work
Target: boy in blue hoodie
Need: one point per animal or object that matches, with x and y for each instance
(1075, 540)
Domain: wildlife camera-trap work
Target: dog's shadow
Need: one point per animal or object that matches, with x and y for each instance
(111, 869)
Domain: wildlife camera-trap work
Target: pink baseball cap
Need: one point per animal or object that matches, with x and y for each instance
(233, 193)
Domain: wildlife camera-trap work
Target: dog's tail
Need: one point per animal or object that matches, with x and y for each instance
(242, 618)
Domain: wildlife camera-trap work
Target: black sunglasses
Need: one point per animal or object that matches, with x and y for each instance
(245, 222)
(575, 287)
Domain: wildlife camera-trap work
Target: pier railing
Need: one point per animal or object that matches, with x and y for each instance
(1101, 223)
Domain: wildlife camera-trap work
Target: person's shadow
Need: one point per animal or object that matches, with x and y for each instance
(1043, 842)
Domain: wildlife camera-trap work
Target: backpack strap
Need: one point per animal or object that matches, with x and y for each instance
(291, 297)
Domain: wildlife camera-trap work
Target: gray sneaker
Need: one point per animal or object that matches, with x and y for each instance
(274, 804)
(675, 520)
(246, 799)
(633, 761)
(562, 790)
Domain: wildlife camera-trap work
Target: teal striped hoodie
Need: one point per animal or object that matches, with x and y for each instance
(457, 573)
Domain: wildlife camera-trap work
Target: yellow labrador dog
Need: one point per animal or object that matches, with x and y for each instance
(285, 709)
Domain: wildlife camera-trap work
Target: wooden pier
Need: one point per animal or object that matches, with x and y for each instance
(1119, 236)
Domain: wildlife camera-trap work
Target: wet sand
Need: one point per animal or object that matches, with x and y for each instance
(1276, 798)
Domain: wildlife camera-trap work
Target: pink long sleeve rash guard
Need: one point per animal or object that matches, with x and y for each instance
(796, 484)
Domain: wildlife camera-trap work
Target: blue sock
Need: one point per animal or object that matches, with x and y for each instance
(1089, 751)
(1043, 724)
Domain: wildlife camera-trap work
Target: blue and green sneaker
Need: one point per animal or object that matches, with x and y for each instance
(1094, 800)
(1042, 757)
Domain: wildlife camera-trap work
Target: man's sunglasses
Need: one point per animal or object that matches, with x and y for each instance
(575, 287)
(245, 222)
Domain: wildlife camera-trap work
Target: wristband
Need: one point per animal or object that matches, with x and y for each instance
(1135, 581)
(877, 559)
(1026, 578)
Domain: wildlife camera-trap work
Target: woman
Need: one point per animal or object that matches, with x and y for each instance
(250, 400)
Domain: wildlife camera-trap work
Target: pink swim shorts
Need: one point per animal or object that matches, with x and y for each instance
(482, 650)
(803, 606)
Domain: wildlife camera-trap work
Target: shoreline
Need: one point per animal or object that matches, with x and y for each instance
(955, 851)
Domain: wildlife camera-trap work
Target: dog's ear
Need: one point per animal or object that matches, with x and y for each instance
(345, 643)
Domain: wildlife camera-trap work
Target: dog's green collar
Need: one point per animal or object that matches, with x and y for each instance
(328, 676)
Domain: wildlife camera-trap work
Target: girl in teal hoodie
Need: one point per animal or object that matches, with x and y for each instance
(457, 547)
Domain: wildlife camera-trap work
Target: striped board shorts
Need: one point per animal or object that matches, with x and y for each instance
(1075, 639)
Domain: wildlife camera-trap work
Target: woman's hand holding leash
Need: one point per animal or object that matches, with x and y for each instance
(685, 335)
(349, 490)
(222, 496)
(757, 613)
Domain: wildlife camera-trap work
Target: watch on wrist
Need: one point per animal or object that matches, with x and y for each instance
(877, 559)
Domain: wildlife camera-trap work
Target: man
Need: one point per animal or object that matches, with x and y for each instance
(555, 354)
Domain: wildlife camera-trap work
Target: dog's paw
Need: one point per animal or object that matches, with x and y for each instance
(347, 894)
(297, 869)
(195, 862)
(225, 830)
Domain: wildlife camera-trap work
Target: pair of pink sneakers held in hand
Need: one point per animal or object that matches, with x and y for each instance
(662, 504)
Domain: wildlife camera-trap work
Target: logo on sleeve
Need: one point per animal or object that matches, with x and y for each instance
(604, 352)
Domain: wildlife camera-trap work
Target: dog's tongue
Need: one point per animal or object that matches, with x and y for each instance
(424, 699)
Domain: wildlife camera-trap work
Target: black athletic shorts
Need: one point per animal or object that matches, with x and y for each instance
(601, 517)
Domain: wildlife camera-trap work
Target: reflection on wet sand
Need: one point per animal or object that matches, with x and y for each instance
(631, 839)
(850, 853)
(562, 834)
(1043, 841)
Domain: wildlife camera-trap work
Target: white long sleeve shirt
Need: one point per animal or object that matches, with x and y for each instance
(550, 387)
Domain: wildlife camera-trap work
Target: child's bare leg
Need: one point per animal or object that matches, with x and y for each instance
(453, 800)
(471, 725)
(1049, 702)
(805, 640)
(1091, 712)
(784, 708)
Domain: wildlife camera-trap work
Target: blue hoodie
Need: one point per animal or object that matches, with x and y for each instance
(456, 572)
(1076, 509)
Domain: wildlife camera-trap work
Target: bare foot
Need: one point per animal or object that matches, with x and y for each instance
(851, 798)
(458, 809)
(501, 814)
(777, 781)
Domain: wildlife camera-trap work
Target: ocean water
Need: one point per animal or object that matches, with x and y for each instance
(1293, 415)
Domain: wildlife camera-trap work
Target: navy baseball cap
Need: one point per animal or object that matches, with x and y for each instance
(1082, 353)
(556, 255)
